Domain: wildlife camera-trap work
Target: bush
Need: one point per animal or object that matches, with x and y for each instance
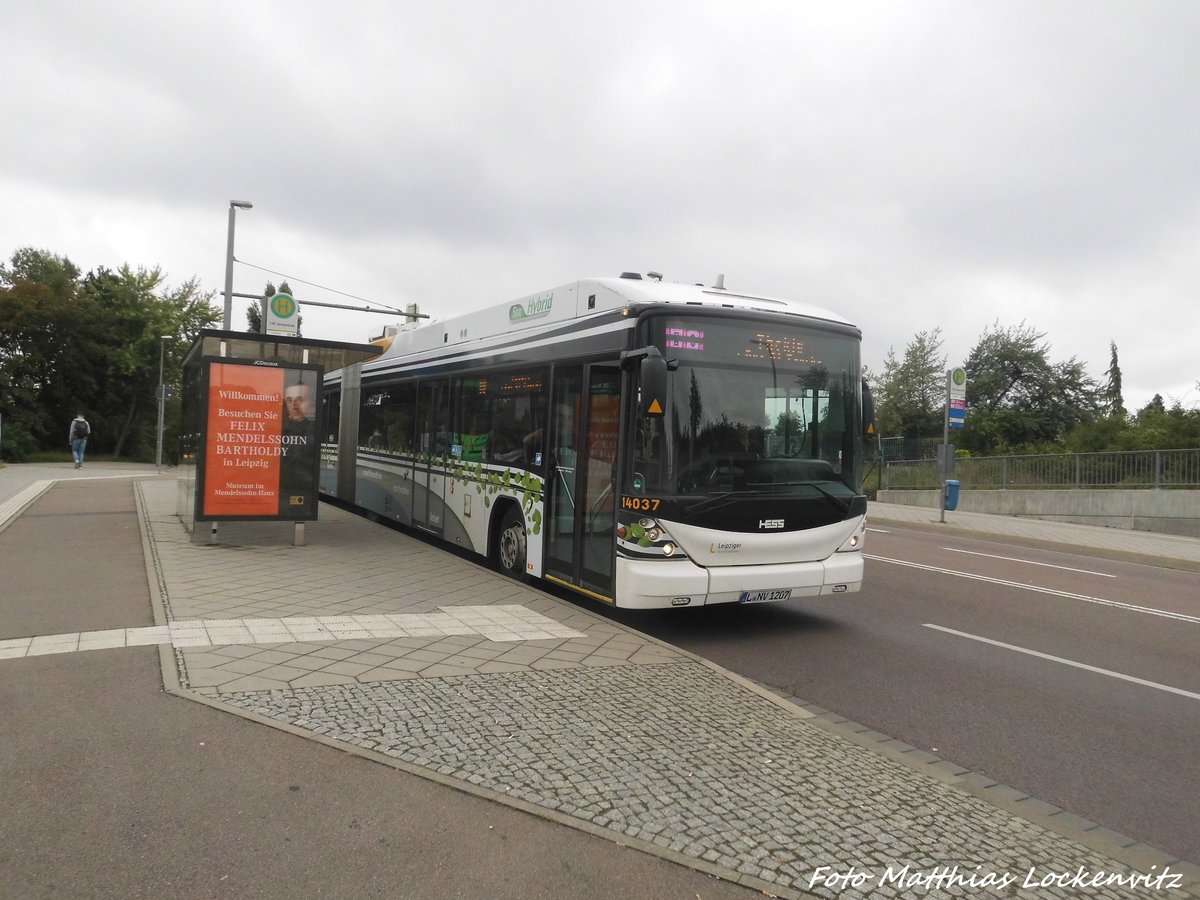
(16, 444)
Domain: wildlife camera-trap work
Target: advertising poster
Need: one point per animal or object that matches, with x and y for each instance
(260, 453)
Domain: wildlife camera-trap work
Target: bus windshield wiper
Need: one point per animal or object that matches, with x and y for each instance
(714, 501)
(843, 505)
(767, 486)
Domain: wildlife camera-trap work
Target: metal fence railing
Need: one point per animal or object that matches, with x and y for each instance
(1149, 469)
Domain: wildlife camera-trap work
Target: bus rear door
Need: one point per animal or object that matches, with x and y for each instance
(433, 447)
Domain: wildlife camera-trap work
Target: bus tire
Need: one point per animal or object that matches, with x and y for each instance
(511, 546)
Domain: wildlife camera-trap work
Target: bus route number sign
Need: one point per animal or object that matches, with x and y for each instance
(641, 504)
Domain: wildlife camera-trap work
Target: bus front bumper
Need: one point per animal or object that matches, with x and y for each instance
(654, 584)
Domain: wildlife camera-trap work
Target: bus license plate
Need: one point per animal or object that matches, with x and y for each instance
(765, 596)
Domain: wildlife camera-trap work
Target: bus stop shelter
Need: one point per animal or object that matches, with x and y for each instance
(251, 431)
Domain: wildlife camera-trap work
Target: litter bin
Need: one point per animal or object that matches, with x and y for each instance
(951, 495)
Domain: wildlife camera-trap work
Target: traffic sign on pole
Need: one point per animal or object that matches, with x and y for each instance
(283, 315)
(958, 383)
(956, 414)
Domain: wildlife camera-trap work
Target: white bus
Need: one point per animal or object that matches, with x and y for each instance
(647, 444)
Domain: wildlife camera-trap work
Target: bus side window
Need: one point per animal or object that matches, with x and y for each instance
(518, 418)
(472, 434)
(330, 414)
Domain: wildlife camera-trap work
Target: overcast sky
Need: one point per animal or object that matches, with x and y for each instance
(909, 165)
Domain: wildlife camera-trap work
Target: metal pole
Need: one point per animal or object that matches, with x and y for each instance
(229, 272)
(946, 452)
(234, 206)
(162, 397)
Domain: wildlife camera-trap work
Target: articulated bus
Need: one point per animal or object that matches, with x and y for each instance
(644, 443)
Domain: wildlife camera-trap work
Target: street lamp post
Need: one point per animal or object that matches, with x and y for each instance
(162, 399)
(234, 206)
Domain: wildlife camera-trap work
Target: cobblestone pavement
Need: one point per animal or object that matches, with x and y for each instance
(612, 732)
(680, 757)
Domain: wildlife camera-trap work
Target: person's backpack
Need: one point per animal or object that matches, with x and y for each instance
(79, 430)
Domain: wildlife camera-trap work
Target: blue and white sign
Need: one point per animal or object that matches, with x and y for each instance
(957, 414)
(956, 397)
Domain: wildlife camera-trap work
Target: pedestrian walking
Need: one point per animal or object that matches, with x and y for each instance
(77, 437)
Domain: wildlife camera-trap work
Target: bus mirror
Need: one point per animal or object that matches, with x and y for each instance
(653, 382)
(868, 411)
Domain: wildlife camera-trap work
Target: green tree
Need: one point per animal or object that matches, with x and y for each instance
(1158, 427)
(91, 345)
(40, 319)
(1017, 399)
(1155, 405)
(1114, 401)
(254, 321)
(910, 393)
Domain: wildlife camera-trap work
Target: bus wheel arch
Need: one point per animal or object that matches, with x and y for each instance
(510, 546)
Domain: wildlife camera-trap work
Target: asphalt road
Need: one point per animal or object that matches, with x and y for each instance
(910, 656)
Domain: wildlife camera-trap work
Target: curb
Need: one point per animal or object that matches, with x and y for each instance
(22, 500)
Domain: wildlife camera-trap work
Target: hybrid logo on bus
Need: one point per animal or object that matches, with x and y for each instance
(537, 306)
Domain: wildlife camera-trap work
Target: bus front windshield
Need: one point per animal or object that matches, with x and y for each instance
(753, 408)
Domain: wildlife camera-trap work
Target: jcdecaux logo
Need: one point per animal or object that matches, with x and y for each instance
(537, 306)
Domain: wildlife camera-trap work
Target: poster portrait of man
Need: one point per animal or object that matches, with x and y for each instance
(298, 442)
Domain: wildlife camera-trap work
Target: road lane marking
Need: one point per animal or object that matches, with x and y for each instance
(1129, 607)
(1067, 662)
(878, 530)
(1028, 562)
(495, 623)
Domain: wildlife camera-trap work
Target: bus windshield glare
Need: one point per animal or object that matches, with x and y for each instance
(753, 409)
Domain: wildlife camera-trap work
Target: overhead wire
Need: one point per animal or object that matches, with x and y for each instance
(314, 284)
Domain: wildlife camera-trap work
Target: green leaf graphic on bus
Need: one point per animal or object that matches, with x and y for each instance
(490, 483)
(638, 533)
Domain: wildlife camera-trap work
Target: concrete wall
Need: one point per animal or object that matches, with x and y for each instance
(1164, 512)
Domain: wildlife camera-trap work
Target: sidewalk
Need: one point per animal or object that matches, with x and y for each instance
(378, 644)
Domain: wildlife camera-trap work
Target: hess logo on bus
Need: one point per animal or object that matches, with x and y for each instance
(768, 524)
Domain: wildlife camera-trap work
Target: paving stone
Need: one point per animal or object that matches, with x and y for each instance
(616, 747)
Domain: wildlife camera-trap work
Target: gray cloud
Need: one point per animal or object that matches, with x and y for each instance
(913, 165)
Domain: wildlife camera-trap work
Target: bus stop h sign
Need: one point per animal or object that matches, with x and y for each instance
(283, 315)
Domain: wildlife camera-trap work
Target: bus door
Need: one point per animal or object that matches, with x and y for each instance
(581, 508)
(432, 450)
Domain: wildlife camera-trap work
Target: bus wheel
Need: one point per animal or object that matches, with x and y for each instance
(510, 544)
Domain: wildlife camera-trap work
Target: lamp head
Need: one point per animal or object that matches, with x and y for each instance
(241, 204)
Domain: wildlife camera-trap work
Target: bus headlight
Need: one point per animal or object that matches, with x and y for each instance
(855, 542)
(642, 535)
